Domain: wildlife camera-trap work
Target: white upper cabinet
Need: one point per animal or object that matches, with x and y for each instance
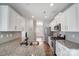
(77, 16)
(70, 19)
(3, 17)
(55, 21)
(10, 19)
(16, 22)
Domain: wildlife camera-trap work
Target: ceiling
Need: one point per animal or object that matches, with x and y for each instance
(40, 11)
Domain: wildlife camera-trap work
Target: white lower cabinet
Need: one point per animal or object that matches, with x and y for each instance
(58, 49)
(65, 51)
(62, 50)
(74, 53)
(50, 41)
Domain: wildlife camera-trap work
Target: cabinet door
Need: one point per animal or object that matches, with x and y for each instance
(16, 22)
(61, 50)
(77, 17)
(58, 49)
(12, 20)
(20, 23)
(63, 22)
(65, 51)
(3, 17)
(70, 18)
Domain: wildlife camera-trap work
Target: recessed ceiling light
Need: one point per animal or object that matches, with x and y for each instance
(51, 4)
(32, 16)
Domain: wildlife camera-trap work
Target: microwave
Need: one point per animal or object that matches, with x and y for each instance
(57, 27)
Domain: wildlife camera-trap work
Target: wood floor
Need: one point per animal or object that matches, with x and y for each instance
(48, 50)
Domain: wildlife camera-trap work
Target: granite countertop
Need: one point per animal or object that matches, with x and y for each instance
(8, 31)
(58, 38)
(69, 44)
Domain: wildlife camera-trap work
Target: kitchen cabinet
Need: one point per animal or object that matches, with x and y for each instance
(57, 20)
(67, 48)
(50, 41)
(69, 20)
(52, 24)
(16, 22)
(10, 19)
(3, 17)
(77, 17)
(61, 50)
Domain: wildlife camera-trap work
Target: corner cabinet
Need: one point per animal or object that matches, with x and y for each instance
(10, 20)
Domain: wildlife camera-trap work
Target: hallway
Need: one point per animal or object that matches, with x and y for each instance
(13, 48)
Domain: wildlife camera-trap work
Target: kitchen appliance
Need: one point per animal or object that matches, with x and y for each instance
(57, 27)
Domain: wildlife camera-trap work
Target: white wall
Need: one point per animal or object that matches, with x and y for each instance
(30, 29)
(39, 31)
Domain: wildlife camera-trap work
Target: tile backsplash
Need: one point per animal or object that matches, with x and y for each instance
(6, 36)
(72, 36)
